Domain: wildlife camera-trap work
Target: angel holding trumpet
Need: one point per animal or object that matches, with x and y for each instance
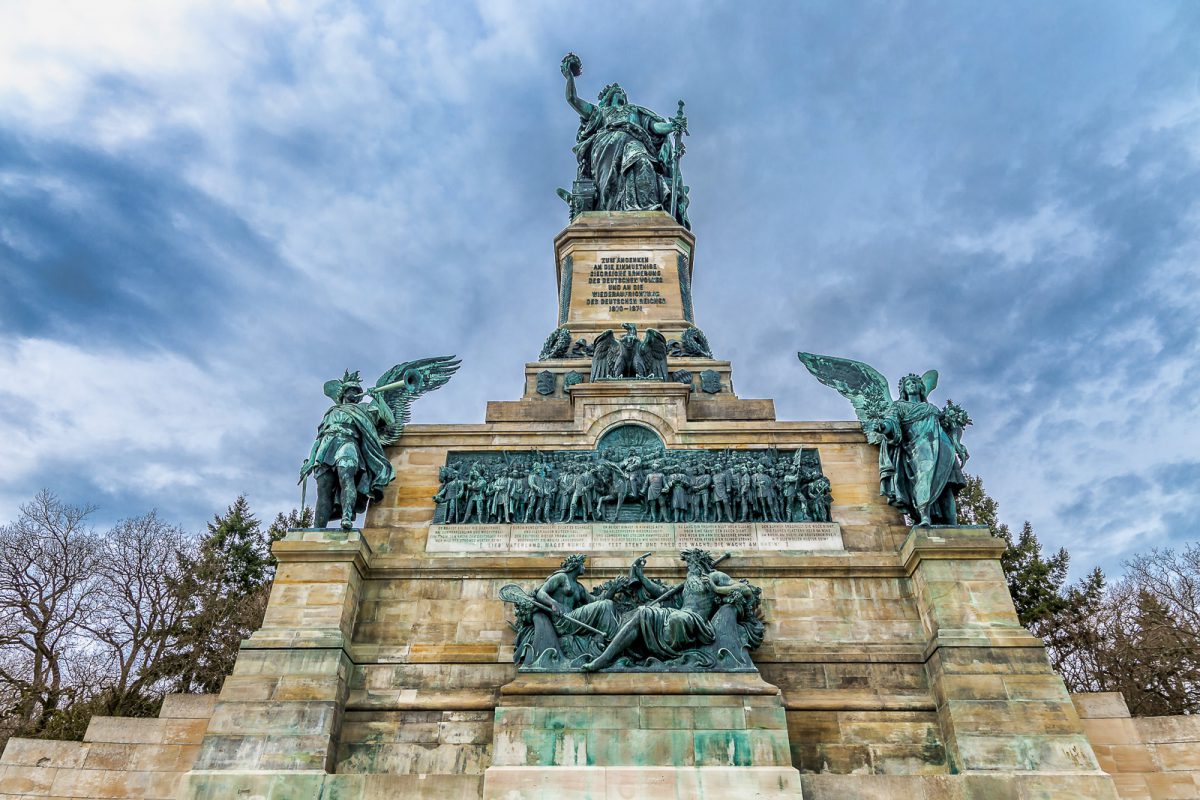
(347, 459)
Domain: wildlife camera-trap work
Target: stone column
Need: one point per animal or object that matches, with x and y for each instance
(275, 728)
(1005, 714)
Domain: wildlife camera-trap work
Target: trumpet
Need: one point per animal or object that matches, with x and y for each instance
(386, 387)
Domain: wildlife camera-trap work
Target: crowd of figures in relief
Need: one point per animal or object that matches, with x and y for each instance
(633, 483)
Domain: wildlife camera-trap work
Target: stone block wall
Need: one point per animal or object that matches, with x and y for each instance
(143, 758)
(1149, 758)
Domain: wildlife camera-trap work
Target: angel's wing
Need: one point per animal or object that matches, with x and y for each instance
(930, 380)
(415, 378)
(606, 357)
(654, 354)
(859, 383)
(331, 389)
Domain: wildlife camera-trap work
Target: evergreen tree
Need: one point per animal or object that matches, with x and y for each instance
(225, 589)
(236, 541)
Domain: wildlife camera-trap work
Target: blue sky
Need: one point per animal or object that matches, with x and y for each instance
(208, 209)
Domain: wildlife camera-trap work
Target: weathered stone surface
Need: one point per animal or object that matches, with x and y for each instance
(638, 252)
(634, 783)
(607, 722)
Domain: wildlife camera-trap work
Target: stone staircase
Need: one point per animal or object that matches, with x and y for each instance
(119, 757)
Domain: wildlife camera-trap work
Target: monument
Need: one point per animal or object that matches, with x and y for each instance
(772, 609)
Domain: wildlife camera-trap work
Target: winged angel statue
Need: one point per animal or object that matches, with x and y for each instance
(921, 454)
(629, 357)
(348, 458)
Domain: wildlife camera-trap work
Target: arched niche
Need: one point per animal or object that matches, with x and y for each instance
(630, 434)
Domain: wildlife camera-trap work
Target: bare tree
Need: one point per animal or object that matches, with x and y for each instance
(1137, 636)
(48, 560)
(137, 608)
(1174, 579)
(1165, 587)
(108, 624)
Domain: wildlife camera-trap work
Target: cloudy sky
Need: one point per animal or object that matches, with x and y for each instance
(208, 209)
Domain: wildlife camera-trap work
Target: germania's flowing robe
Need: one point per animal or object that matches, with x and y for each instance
(626, 158)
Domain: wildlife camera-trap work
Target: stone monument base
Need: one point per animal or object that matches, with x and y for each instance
(664, 735)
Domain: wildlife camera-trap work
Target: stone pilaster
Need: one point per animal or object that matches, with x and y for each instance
(1001, 707)
(276, 723)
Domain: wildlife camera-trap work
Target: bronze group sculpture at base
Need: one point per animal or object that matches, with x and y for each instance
(633, 623)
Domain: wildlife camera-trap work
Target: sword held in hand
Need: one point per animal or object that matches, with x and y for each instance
(676, 153)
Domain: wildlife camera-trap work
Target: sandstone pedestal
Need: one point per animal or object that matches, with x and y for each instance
(630, 266)
(572, 736)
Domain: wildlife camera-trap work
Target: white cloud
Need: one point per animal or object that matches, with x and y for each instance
(50, 52)
(1052, 233)
(128, 423)
(1173, 115)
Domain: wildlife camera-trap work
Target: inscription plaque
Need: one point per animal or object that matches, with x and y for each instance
(636, 536)
(551, 537)
(799, 536)
(624, 282)
(633, 536)
(467, 538)
(715, 535)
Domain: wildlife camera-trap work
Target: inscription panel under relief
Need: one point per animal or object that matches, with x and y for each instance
(799, 536)
(466, 538)
(715, 535)
(551, 537)
(738, 537)
(633, 536)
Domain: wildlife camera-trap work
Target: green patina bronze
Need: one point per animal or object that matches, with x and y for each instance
(559, 345)
(628, 358)
(921, 454)
(691, 344)
(347, 459)
(634, 623)
(627, 157)
(631, 477)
